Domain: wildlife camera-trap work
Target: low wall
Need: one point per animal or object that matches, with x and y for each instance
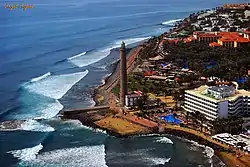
(79, 111)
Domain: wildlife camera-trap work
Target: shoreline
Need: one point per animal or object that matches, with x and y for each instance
(222, 151)
(112, 79)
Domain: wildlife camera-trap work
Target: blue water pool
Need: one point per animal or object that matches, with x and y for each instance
(171, 119)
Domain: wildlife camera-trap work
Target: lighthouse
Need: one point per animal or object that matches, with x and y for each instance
(123, 75)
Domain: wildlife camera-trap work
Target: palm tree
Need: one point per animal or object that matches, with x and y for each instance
(187, 116)
(145, 99)
(140, 104)
(195, 117)
(163, 106)
(176, 98)
(158, 101)
(202, 120)
(230, 125)
(166, 92)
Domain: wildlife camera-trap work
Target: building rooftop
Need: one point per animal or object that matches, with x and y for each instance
(223, 36)
(222, 88)
(156, 77)
(202, 93)
(209, 35)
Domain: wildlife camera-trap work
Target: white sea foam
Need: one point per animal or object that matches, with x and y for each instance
(130, 41)
(55, 86)
(164, 140)
(94, 129)
(76, 56)
(170, 22)
(50, 111)
(40, 77)
(51, 86)
(86, 156)
(27, 154)
(43, 111)
(76, 124)
(73, 125)
(91, 57)
(209, 152)
(32, 125)
(160, 161)
(148, 135)
(103, 79)
(95, 56)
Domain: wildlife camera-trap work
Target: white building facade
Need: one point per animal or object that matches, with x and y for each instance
(132, 100)
(219, 101)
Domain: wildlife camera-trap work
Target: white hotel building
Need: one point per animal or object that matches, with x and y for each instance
(217, 101)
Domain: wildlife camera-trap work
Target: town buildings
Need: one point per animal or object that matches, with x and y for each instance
(217, 101)
(236, 6)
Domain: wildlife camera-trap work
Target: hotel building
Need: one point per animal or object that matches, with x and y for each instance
(226, 39)
(217, 101)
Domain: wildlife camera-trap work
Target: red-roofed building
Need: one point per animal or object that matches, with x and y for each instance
(189, 39)
(214, 44)
(206, 37)
(232, 39)
(175, 41)
(149, 73)
(227, 39)
(247, 34)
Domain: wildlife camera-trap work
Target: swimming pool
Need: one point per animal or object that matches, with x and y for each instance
(171, 119)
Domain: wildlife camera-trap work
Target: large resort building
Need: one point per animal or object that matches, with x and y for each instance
(217, 101)
(227, 39)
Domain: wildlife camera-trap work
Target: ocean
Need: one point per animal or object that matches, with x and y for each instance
(54, 54)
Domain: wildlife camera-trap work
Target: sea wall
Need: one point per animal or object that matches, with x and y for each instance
(196, 138)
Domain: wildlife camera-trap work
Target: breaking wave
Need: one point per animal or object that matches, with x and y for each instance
(103, 79)
(55, 86)
(164, 140)
(90, 156)
(39, 99)
(95, 56)
(32, 125)
(40, 77)
(27, 154)
(170, 22)
(209, 152)
(76, 124)
(76, 56)
(160, 161)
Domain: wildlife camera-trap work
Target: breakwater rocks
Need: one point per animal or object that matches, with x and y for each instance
(11, 125)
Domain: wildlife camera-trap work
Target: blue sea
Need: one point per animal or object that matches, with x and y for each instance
(54, 54)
